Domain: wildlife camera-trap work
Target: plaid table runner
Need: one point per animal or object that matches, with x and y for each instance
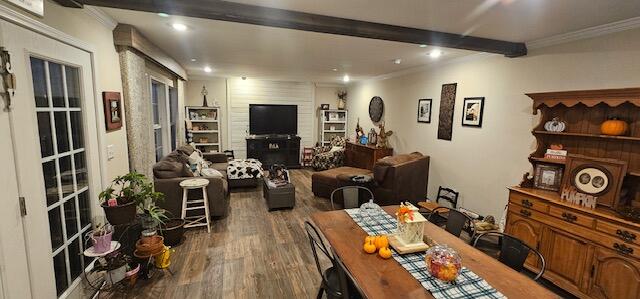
(468, 284)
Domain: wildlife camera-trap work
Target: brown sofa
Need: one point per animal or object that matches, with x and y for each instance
(171, 170)
(398, 178)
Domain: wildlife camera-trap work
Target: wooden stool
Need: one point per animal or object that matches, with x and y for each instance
(195, 204)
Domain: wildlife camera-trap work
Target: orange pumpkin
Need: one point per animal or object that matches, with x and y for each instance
(369, 247)
(385, 252)
(381, 242)
(614, 127)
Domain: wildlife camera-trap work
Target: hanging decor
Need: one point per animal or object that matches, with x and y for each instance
(447, 103)
(342, 99)
(204, 94)
(376, 108)
(112, 110)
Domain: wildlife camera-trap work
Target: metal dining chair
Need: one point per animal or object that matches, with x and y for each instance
(330, 277)
(350, 196)
(456, 221)
(514, 252)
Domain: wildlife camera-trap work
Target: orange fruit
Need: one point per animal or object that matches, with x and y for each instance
(385, 252)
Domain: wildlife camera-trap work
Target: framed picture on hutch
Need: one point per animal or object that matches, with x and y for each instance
(112, 110)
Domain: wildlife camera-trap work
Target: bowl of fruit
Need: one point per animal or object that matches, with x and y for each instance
(443, 263)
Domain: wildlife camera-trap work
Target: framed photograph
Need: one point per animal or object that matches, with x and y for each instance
(324, 106)
(473, 109)
(548, 177)
(112, 110)
(424, 111)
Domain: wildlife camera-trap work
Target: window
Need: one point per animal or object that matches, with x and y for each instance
(173, 116)
(158, 103)
(64, 165)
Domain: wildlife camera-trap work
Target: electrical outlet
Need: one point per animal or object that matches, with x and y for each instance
(110, 152)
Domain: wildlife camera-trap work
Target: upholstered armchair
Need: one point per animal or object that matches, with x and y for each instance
(332, 156)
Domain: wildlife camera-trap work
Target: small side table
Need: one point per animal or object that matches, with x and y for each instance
(195, 204)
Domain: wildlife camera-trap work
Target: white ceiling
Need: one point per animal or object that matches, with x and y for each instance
(234, 49)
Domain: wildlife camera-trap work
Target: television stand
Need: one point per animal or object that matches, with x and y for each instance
(275, 149)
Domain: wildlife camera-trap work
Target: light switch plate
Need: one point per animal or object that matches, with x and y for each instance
(110, 152)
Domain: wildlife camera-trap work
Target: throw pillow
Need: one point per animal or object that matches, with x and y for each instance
(210, 172)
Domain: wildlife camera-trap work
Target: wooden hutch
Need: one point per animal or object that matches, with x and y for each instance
(592, 253)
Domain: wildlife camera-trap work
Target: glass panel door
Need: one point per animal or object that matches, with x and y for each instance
(173, 116)
(159, 110)
(63, 157)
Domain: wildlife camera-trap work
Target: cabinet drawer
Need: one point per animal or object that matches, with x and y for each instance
(528, 202)
(524, 212)
(571, 217)
(622, 248)
(622, 233)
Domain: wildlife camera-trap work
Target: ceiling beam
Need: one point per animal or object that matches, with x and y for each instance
(281, 18)
(69, 3)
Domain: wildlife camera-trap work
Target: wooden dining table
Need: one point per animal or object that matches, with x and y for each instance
(375, 277)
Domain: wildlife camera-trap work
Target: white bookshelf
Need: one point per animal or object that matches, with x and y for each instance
(203, 128)
(332, 123)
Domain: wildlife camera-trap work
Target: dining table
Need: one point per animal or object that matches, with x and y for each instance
(375, 277)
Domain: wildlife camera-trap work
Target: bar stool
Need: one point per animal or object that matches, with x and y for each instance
(195, 204)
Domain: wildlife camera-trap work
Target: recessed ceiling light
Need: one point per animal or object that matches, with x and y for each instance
(208, 69)
(422, 46)
(335, 70)
(435, 53)
(179, 26)
(244, 78)
(397, 61)
(193, 59)
(164, 15)
(346, 78)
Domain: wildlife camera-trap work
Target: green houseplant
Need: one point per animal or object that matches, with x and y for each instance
(125, 195)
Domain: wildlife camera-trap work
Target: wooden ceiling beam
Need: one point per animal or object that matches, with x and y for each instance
(281, 18)
(69, 3)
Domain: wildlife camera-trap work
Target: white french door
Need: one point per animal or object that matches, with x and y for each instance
(55, 145)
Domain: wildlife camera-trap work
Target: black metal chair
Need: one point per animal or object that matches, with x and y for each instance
(330, 277)
(455, 221)
(449, 195)
(514, 252)
(350, 194)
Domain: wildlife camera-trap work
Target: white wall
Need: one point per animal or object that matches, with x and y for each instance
(482, 162)
(245, 92)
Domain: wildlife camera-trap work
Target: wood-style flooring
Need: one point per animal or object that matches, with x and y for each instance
(252, 253)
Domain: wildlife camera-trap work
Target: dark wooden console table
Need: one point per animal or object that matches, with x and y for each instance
(364, 156)
(271, 150)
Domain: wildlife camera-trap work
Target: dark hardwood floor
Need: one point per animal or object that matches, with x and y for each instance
(252, 253)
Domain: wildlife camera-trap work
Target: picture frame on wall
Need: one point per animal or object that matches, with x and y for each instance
(445, 117)
(472, 113)
(112, 110)
(424, 110)
(548, 177)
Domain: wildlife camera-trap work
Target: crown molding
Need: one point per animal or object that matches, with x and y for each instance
(101, 16)
(590, 32)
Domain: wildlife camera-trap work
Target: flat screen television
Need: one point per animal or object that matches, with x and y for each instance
(273, 119)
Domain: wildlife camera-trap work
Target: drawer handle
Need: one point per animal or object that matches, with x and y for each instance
(525, 213)
(626, 236)
(569, 217)
(526, 203)
(621, 248)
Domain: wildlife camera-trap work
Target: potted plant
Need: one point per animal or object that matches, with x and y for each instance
(125, 194)
(101, 238)
(115, 265)
(152, 217)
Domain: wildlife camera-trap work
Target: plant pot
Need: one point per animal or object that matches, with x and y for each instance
(173, 230)
(116, 275)
(120, 214)
(101, 243)
(149, 246)
(132, 275)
